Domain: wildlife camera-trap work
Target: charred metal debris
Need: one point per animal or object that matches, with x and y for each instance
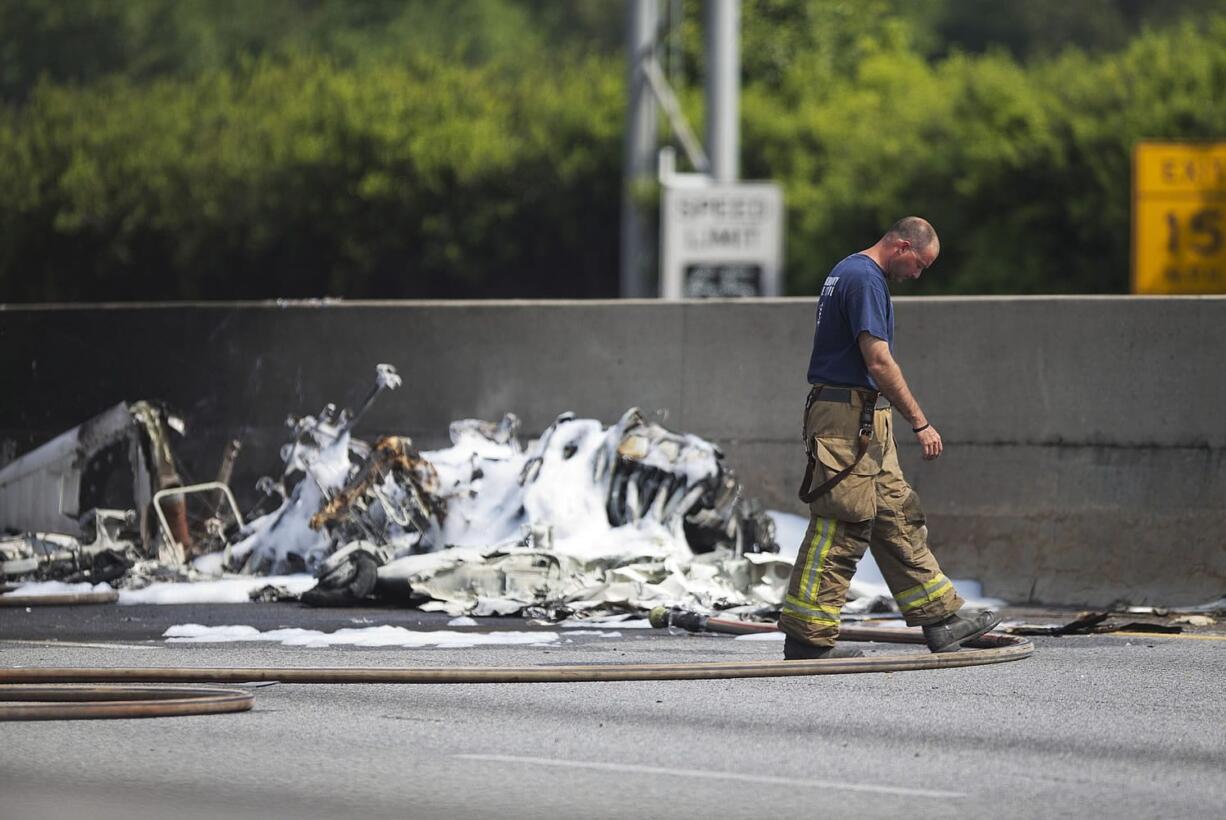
(101, 499)
(583, 518)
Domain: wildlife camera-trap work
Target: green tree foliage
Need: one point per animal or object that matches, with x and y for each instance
(422, 148)
(426, 180)
(1024, 170)
(84, 40)
(1042, 28)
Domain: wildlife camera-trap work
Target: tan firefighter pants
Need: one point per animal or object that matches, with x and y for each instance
(873, 508)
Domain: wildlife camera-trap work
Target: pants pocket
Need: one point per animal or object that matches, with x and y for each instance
(855, 497)
(915, 521)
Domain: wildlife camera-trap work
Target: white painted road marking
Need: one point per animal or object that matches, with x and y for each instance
(744, 778)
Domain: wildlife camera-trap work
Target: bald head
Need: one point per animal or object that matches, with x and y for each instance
(908, 248)
(915, 230)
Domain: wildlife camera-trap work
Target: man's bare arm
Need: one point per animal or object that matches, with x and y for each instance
(888, 376)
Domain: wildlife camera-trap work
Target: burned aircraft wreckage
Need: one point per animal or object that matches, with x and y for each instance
(582, 519)
(86, 506)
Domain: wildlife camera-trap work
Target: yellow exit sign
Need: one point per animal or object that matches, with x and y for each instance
(1179, 217)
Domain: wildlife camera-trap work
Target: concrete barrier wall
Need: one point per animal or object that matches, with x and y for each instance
(1084, 436)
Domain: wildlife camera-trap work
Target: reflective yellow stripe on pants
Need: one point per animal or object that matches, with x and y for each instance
(814, 614)
(805, 607)
(926, 592)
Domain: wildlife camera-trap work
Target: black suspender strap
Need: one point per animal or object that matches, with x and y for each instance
(809, 494)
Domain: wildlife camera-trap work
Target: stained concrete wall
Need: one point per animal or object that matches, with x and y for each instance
(1084, 436)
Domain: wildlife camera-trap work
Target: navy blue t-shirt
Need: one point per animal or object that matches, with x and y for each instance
(854, 299)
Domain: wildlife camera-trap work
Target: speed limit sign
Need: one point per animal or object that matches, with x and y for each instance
(1179, 217)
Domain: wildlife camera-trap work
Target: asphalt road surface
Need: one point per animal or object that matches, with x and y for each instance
(1121, 726)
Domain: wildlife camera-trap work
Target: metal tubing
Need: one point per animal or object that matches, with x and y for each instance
(640, 149)
(208, 486)
(225, 471)
(676, 117)
(723, 34)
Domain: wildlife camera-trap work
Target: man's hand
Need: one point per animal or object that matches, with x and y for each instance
(930, 440)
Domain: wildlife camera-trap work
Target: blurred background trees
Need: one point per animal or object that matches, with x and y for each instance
(216, 149)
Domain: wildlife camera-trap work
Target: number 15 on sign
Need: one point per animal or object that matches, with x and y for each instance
(1179, 218)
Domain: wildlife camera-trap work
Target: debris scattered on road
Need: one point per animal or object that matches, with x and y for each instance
(114, 461)
(583, 519)
(1146, 626)
(1084, 624)
(1217, 608)
(1092, 623)
(229, 590)
(1194, 620)
(104, 502)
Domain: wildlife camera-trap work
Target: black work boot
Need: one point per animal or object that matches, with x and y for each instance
(794, 650)
(949, 635)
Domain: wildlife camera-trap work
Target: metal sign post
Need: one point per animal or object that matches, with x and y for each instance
(718, 237)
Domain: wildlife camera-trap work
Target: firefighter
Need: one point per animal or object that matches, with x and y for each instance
(857, 496)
